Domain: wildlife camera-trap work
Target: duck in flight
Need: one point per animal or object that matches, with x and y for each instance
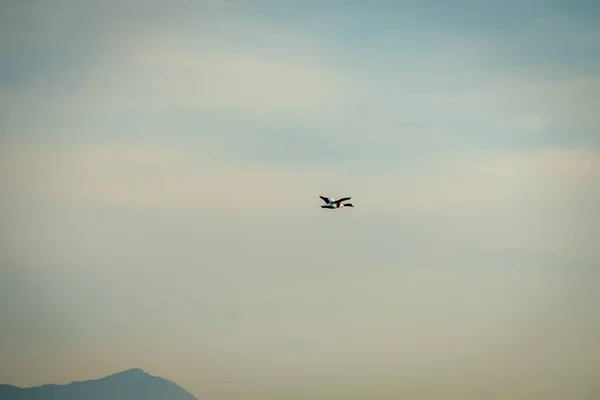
(335, 204)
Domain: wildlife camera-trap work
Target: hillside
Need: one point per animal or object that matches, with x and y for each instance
(133, 384)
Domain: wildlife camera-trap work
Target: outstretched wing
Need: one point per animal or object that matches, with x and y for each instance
(326, 199)
(342, 199)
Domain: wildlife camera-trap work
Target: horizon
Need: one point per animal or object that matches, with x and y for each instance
(128, 370)
(162, 162)
(129, 384)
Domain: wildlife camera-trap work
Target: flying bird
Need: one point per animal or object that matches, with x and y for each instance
(335, 204)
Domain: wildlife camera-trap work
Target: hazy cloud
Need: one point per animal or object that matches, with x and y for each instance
(160, 166)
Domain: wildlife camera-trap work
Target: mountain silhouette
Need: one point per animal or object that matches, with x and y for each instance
(132, 384)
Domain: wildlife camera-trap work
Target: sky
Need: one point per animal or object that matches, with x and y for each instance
(160, 167)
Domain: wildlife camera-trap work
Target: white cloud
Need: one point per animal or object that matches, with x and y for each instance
(544, 200)
(456, 183)
(487, 178)
(162, 73)
(545, 100)
(141, 175)
(186, 79)
(457, 96)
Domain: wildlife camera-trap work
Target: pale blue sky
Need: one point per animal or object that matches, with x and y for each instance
(161, 163)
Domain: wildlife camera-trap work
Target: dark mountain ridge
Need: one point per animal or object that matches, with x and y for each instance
(132, 384)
